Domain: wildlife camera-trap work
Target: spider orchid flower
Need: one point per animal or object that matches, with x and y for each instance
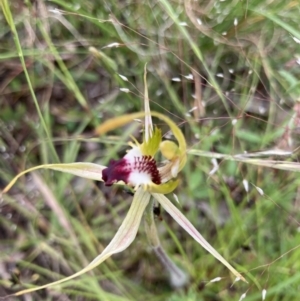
(138, 169)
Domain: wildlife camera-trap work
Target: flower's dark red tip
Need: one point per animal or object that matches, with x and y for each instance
(116, 171)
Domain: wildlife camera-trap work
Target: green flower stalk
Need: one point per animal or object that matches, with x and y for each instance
(178, 278)
(139, 170)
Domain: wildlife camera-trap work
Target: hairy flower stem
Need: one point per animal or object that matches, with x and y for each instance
(178, 278)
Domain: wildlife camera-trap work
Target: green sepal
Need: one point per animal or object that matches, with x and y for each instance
(169, 149)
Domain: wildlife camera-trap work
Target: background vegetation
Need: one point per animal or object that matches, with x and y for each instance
(226, 71)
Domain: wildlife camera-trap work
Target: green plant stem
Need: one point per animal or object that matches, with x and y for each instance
(177, 277)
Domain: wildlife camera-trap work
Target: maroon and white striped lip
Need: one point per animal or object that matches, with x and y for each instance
(134, 169)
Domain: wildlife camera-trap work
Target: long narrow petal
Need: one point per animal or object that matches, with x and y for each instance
(85, 170)
(187, 226)
(123, 238)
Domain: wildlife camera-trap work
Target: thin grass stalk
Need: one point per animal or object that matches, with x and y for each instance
(9, 18)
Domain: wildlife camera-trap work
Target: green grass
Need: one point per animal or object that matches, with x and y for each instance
(56, 88)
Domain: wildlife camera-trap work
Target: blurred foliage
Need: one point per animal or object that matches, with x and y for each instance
(226, 71)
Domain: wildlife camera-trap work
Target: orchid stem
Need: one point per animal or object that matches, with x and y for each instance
(178, 278)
